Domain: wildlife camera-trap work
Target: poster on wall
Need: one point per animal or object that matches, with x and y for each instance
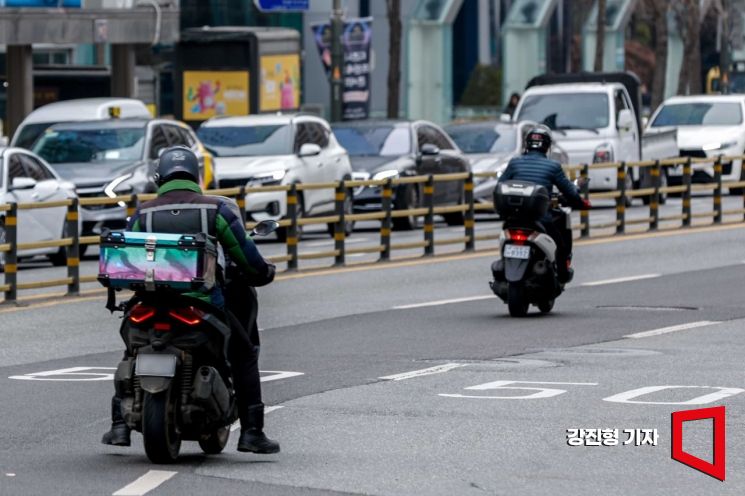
(356, 41)
(214, 93)
(280, 82)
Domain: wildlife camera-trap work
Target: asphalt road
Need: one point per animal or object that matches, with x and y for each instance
(486, 411)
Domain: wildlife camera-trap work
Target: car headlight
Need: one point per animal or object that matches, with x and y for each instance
(267, 178)
(378, 176)
(718, 146)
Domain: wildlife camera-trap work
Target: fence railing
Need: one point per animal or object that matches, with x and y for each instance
(294, 221)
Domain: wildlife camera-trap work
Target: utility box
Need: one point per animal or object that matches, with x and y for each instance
(236, 71)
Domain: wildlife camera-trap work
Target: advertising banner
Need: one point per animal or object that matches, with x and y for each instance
(280, 82)
(356, 41)
(212, 93)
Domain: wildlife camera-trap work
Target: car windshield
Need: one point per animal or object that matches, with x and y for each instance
(384, 141)
(60, 146)
(487, 139)
(30, 133)
(567, 110)
(247, 141)
(699, 114)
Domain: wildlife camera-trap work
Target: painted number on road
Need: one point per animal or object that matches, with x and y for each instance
(71, 374)
(718, 394)
(534, 392)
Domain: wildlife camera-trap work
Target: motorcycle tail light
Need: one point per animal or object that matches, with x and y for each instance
(162, 326)
(518, 236)
(188, 315)
(140, 313)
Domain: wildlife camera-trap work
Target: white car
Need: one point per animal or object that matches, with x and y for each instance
(708, 126)
(26, 178)
(258, 150)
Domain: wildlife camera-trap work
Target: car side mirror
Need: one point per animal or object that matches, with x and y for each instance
(625, 119)
(264, 228)
(309, 150)
(429, 149)
(23, 183)
(505, 118)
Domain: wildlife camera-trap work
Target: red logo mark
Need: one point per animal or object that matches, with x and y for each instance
(716, 413)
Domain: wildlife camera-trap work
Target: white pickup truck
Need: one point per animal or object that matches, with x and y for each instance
(594, 117)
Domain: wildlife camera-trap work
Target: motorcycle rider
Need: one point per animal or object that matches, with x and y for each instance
(182, 208)
(535, 166)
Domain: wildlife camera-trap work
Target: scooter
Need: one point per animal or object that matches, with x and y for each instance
(526, 273)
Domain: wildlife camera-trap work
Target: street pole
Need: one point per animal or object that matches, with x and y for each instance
(337, 62)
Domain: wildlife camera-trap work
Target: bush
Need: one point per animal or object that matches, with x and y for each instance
(484, 87)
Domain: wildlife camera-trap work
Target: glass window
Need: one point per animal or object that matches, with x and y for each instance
(567, 110)
(30, 133)
(174, 135)
(319, 135)
(303, 135)
(245, 141)
(619, 102)
(699, 114)
(385, 141)
(34, 168)
(59, 146)
(157, 142)
(15, 168)
(187, 137)
(484, 139)
(441, 141)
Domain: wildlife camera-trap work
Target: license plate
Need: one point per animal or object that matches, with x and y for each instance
(515, 251)
(151, 365)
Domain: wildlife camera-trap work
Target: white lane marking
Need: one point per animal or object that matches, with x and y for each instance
(146, 483)
(621, 279)
(10, 475)
(444, 302)
(439, 369)
(77, 373)
(278, 374)
(267, 409)
(675, 328)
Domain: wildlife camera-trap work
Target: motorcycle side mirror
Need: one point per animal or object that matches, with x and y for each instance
(264, 228)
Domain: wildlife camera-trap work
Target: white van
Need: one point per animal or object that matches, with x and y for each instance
(84, 109)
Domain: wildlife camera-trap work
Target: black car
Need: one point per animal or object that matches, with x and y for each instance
(391, 149)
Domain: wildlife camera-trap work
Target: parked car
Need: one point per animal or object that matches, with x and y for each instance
(258, 150)
(26, 178)
(110, 158)
(708, 126)
(391, 149)
(83, 109)
(489, 145)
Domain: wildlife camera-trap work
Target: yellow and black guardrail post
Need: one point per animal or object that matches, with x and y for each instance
(241, 201)
(584, 215)
(687, 180)
(718, 190)
(11, 257)
(429, 218)
(621, 199)
(340, 200)
(742, 189)
(73, 250)
(654, 201)
(469, 221)
(292, 231)
(386, 223)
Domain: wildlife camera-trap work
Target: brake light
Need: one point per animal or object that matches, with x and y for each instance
(188, 315)
(140, 313)
(518, 236)
(162, 326)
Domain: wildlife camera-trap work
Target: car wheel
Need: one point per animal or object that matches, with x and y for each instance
(282, 232)
(663, 184)
(59, 258)
(455, 218)
(738, 191)
(408, 200)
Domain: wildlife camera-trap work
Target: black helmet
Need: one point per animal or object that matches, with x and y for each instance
(538, 139)
(177, 162)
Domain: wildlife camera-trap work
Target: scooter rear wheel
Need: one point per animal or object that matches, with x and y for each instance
(160, 436)
(517, 301)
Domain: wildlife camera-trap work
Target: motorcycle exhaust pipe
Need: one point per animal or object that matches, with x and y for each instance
(210, 391)
(540, 268)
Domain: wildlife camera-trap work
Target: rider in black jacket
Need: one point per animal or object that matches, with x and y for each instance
(535, 166)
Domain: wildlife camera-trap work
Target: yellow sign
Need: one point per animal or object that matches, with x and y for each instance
(280, 82)
(211, 93)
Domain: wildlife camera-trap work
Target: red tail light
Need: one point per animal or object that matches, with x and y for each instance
(518, 236)
(140, 313)
(162, 326)
(188, 315)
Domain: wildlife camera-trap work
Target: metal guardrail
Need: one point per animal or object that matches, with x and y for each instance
(294, 221)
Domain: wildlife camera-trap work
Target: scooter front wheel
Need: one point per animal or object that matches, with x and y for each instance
(546, 306)
(517, 301)
(214, 442)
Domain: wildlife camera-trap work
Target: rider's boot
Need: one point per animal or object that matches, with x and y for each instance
(252, 437)
(119, 435)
